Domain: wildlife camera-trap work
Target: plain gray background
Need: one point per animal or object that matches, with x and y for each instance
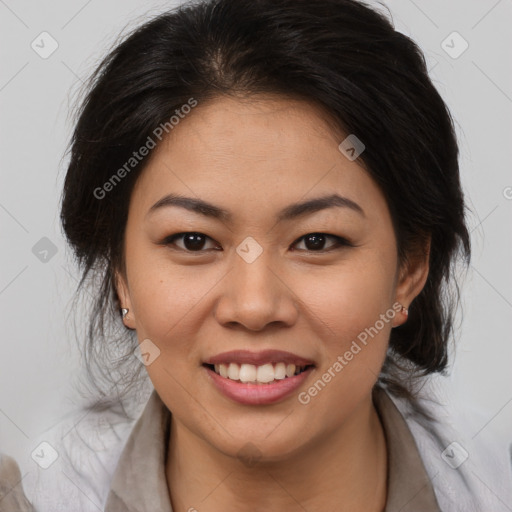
(39, 356)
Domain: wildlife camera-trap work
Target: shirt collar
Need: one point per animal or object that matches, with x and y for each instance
(409, 486)
(139, 482)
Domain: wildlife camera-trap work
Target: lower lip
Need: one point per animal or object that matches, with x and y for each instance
(258, 394)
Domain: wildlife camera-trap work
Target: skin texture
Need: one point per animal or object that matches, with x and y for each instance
(253, 157)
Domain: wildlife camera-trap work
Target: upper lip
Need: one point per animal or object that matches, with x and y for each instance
(258, 358)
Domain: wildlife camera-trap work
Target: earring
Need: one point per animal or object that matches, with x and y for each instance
(124, 312)
(405, 311)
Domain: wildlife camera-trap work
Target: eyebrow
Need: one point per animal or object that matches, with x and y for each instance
(290, 212)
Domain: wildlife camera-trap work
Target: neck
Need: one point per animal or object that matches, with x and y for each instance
(345, 470)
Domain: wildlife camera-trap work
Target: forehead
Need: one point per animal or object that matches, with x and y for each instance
(259, 151)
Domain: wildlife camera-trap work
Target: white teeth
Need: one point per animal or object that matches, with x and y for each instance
(233, 371)
(223, 370)
(280, 371)
(263, 374)
(247, 373)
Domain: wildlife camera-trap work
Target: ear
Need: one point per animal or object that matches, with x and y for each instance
(412, 277)
(123, 294)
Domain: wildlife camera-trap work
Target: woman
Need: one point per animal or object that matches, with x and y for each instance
(269, 195)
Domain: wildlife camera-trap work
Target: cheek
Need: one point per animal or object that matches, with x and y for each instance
(169, 309)
(163, 295)
(351, 297)
(166, 307)
(352, 315)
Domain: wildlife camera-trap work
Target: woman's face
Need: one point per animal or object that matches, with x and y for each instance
(249, 281)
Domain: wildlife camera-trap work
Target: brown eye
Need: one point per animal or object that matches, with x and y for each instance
(192, 241)
(316, 242)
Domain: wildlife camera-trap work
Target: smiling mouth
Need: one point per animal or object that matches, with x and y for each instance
(253, 374)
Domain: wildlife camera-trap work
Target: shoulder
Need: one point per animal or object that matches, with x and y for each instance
(469, 465)
(12, 496)
(73, 462)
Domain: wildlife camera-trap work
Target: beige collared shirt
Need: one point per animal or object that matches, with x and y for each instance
(139, 483)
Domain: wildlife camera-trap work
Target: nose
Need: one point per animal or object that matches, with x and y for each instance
(254, 295)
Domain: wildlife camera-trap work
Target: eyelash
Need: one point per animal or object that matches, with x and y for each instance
(339, 241)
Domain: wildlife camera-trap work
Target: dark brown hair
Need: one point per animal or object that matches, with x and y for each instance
(340, 54)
